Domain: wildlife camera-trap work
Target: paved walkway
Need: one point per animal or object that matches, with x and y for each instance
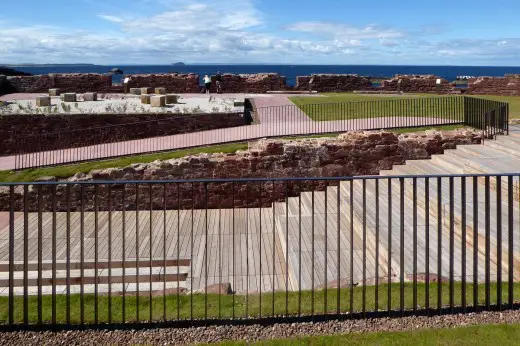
(284, 120)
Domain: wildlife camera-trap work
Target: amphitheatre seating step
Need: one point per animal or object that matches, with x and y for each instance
(449, 162)
(319, 231)
(481, 151)
(422, 167)
(382, 217)
(131, 275)
(507, 147)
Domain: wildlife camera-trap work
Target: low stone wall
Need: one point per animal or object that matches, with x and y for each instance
(351, 154)
(71, 82)
(416, 84)
(333, 82)
(26, 132)
(251, 83)
(173, 82)
(507, 86)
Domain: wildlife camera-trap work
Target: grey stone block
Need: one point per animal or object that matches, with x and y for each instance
(170, 98)
(145, 99)
(135, 91)
(90, 97)
(69, 97)
(158, 101)
(160, 91)
(43, 101)
(54, 92)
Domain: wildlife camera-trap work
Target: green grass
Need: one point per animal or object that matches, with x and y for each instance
(331, 113)
(222, 306)
(500, 334)
(341, 106)
(70, 170)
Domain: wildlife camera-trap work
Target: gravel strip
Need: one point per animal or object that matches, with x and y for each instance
(186, 336)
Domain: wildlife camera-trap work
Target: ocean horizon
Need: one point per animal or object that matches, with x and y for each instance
(289, 71)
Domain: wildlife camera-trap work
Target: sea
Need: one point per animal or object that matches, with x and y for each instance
(289, 71)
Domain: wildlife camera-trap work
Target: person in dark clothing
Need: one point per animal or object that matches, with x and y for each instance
(218, 80)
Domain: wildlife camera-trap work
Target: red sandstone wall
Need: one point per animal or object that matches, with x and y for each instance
(354, 153)
(173, 82)
(251, 83)
(416, 84)
(333, 82)
(80, 129)
(73, 82)
(508, 86)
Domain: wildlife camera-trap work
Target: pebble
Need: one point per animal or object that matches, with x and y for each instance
(251, 333)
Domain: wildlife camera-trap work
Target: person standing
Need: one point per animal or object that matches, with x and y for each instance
(311, 82)
(207, 83)
(218, 81)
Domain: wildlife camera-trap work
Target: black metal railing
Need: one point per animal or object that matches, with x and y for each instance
(276, 121)
(206, 251)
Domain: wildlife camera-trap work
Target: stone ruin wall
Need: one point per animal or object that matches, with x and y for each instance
(74, 128)
(173, 82)
(253, 83)
(416, 84)
(351, 154)
(333, 82)
(70, 82)
(506, 86)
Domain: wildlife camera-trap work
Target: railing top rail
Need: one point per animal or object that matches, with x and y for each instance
(259, 180)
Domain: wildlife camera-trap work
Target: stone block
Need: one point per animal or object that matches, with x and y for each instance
(146, 91)
(160, 91)
(170, 98)
(54, 92)
(69, 97)
(43, 101)
(90, 97)
(145, 99)
(238, 103)
(158, 101)
(135, 91)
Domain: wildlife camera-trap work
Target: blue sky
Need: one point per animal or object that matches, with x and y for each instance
(441, 32)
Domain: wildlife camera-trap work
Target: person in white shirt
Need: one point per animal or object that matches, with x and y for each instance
(207, 83)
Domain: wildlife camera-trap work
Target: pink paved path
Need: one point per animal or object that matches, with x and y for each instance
(273, 124)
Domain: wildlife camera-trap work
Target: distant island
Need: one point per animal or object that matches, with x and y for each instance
(179, 64)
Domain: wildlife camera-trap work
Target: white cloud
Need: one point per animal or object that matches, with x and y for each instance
(110, 18)
(236, 31)
(341, 30)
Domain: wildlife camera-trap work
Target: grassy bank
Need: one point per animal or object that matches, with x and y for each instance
(500, 334)
(194, 306)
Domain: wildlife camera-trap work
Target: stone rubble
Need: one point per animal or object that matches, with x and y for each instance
(254, 333)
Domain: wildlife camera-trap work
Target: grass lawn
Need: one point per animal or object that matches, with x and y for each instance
(421, 107)
(334, 106)
(500, 334)
(193, 306)
(66, 171)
